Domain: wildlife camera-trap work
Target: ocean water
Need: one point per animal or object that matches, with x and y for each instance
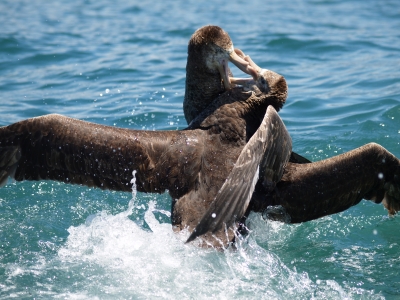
(122, 63)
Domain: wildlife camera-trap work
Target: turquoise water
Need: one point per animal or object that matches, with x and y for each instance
(123, 64)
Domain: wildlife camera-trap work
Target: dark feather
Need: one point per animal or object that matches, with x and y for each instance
(267, 153)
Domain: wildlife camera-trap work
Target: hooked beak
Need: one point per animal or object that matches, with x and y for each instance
(244, 63)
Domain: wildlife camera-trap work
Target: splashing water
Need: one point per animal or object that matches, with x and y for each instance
(124, 260)
(63, 241)
(110, 255)
(134, 192)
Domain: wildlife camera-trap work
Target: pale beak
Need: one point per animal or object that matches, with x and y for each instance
(240, 60)
(244, 63)
(224, 72)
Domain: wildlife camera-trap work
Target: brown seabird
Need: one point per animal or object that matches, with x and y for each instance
(283, 202)
(211, 168)
(207, 72)
(208, 75)
(192, 164)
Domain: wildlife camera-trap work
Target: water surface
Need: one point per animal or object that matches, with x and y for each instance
(123, 64)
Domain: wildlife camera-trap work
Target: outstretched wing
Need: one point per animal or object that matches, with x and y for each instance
(266, 155)
(73, 151)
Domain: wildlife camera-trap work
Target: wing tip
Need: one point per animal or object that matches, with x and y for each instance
(9, 158)
(192, 237)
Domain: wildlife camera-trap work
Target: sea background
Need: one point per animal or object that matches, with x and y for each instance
(122, 63)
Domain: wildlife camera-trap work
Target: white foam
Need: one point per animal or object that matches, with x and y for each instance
(133, 254)
(118, 257)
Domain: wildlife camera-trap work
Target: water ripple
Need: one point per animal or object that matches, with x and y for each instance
(123, 64)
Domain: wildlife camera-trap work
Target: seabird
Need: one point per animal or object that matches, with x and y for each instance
(304, 192)
(192, 164)
(233, 158)
(208, 75)
(207, 72)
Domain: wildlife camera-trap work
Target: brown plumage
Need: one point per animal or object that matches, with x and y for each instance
(208, 75)
(310, 191)
(192, 164)
(207, 72)
(305, 192)
(210, 169)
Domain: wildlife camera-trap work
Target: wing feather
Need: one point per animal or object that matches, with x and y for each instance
(266, 154)
(73, 151)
